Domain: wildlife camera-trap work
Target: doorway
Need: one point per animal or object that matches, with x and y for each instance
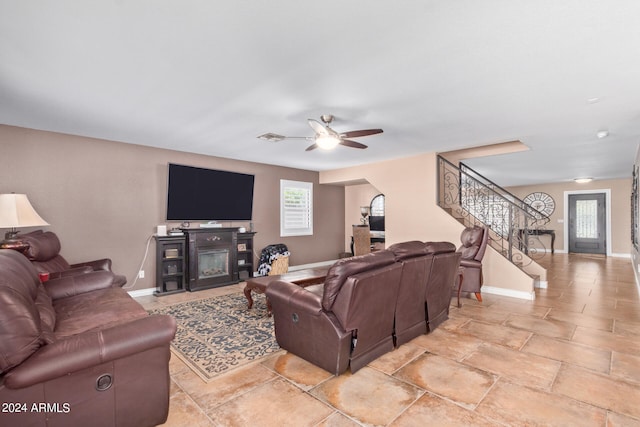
(587, 223)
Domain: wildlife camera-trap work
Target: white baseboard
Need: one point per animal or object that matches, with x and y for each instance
(141, 292)
(562, 251)
(312, 265)
(541, 284)
(150, 291)
(509, 293)
(621, 255)
(485, 289)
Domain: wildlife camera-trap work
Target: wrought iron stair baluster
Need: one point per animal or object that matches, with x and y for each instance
(475, 200)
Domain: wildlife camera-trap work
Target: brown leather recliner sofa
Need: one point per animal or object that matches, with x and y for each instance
(367, 305)
(44, 253)
(78, 351)
(424, 296)
(444, 270)
(410, 306)
(347, 321)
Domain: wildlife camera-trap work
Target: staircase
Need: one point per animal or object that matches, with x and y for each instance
(475, 200)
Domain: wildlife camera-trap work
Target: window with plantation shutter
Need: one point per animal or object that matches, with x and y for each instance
(296, 208)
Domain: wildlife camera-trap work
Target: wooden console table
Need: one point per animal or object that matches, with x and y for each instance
(522, 233)
(374, 239)
(306, 277)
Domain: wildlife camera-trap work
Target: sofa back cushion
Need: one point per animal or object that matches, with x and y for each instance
(343, 268)
(44, 251)
(366, 304)
(20, 328)
(471, 239)
(407, 250)
(439, 247)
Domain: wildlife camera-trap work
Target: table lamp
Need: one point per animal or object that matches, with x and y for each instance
(17, 212)
(364, 211)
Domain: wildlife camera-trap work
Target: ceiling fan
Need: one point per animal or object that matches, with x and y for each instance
(325, 137)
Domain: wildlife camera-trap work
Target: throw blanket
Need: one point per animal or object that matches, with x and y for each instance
(270, 254)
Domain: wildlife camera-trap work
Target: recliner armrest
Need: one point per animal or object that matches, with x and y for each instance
(470, 263)
(89, 349)
(296, 297)
(70, 272)
(67, 286)
(99, 264)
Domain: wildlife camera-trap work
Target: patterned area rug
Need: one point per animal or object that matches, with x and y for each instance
(218, 334)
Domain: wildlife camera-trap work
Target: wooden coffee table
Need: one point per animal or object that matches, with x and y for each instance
(306, 277)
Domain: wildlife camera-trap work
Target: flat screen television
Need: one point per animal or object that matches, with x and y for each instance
(198, 194)
(376, 223)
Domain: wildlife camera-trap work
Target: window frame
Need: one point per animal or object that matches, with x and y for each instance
(296, 231)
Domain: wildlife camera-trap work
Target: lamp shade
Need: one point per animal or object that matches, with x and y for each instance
(327, 142)
(16, 211)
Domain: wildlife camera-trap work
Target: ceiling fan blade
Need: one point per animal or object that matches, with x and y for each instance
(312, 147)
(352, 144)
(357, 133)
(318, 127)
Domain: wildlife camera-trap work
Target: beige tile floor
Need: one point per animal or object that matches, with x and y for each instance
(569, 358)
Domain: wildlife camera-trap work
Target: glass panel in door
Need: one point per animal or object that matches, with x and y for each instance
(587, 230)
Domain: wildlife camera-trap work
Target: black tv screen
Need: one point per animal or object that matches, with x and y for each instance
(198, 194)
(376, 223)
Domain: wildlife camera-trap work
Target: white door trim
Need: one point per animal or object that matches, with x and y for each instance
(607, 201)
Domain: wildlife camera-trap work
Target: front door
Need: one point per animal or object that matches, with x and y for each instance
(587, 229)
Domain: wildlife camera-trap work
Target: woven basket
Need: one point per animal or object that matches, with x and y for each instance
(279, 266)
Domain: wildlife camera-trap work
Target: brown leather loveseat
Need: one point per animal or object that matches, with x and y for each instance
(367, 305)
(78, 351)
(44, 253)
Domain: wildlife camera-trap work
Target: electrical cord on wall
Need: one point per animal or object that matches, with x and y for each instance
(144, 258)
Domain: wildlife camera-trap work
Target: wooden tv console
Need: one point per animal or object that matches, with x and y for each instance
(214, 257)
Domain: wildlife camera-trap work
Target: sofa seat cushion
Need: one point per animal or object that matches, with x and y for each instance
(96, 310)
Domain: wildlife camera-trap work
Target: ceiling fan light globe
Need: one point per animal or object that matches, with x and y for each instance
(327, 142)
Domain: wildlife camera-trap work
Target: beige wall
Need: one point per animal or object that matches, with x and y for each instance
(412, 213)
(635, 254)
(409, 188)
(620, 190)
(105, 198)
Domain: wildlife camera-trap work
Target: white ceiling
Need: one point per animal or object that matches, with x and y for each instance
(210, 76)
